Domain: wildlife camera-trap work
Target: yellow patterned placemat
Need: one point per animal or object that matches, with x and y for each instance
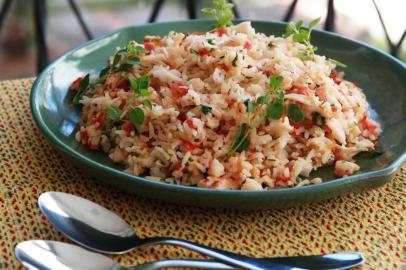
(371, 222)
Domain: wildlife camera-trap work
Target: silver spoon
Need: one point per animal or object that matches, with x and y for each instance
(97, 228)
(53, 255)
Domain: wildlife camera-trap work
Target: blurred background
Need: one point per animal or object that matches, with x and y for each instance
(30, 27)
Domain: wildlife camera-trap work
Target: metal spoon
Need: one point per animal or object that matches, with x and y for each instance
(97, 228)
(52, 255)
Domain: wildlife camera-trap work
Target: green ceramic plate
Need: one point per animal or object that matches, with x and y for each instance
(382, 76)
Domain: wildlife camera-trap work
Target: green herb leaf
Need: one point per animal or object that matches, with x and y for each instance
(304, 56)
(240, 140)
(104, 72)
(113, 113)
(263, 99)
(139, 83)
(210, 41)
(249, 105)
(144, 92)
(313, 23)
(147, 103)
(222, 12)
(275, 81)
(235, 60)
(194, 51)
(123, 67)
(133, 48)
(84, 83)
(137, 117)
(206, 109)
(116, 59)
(295, 113)
(275, 111)
(337, 63)
(318, 119)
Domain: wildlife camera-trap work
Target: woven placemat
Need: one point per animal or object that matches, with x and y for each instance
(371, 222)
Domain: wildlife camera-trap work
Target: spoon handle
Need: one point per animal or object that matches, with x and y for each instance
(341, 260)
(230, 258)
(201, 264)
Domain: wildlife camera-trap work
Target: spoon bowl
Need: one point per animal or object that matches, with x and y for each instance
(97, 228)
(51, 255)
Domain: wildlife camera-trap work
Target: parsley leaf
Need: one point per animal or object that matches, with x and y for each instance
(241, 141)
(337, 63)
(206, 109)
(295, 113)
(113, 113)
(147, 103)
(275, 111)
(140, 85)
(137, 117)
(318, 119)
(84, 83)
(249, 105)
(222, 12)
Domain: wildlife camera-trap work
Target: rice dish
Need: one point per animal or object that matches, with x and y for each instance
(208, 113)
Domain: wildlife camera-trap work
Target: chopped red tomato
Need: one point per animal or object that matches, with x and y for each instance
(334, 109)
(122, 103)
(329, 131)
(247, 45)
(189, 147)
(181, 117)
(320, 94)
(124, 84)
(222, 131)
(307, 123)
(99, 118)
(335, 77)
(75, 84)
(369, 125)
(220, 31)
(345, 109)
(128, 127)
(295, 125)
(190, 123)
(149, 46)
(177, 165)
(91, 144)
(84, 135)
(203, 51)
(282, 178)
(179, 89)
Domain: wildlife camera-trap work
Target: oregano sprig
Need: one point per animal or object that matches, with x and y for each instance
(222, 12)
(303, 35)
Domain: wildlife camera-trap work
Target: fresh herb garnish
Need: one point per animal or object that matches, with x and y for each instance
(337, 63)
(210, 41)
(84, 83)
(194, 51)
(295, 113)
(250, 106)
(303, 35)
(137, 117)
(147, 103)
(318, 119)
(275, 111)
(140, 85)
(113, 113)
(206, 109)
(235, 60)
(222, 12)
(241, 141)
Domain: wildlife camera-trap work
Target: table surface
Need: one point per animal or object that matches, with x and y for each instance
(371, 222)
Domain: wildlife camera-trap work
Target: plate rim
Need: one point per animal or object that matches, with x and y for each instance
(331, 184)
